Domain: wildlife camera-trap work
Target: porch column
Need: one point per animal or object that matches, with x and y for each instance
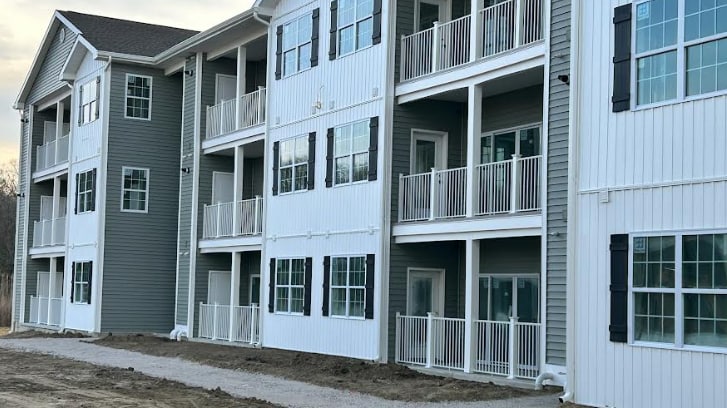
(237, 189)
(234, 292)
(59, 123)
(471, 301)
(241, 68)
(56, 211)
(475, 30)
(474, 130)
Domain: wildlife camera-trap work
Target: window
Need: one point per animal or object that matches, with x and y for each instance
(355, 25)
(81, 282)
(297, 45)
(85, 191)
(134, 189)
(88, 111)
(351, 152)
(294, 164)
(679, 289)
(289, 285)
(138, 96)
(348, 286)
(673, 64)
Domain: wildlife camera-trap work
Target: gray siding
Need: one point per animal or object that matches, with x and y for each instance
(517, 108)
(557, 183)
(140, 251)
(47, 79)
(510, 255)
(252, 183)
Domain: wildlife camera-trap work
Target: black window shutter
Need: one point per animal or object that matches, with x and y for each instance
(315, 38)
(311, 160)
(370, 273)
(73, 279)
(622, 59)
(376, 38)
(93, 190)
(276, 156)
(90, 282)
(619, 287)
(307, 286)
(279, 52)
(326, 283)
(329, 158)
(78, 188)
(373, 147)
(98, 96)
(271, 287)
(334, 31)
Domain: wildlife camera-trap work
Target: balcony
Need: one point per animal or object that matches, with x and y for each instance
(50, 232)
(505, 187)
(233, 219)
(45, 311)
(232, 115)
(216, 323)
(52, 154)
(500, 28)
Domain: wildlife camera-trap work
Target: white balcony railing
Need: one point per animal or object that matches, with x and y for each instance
(215, 323)
(233, 219)
(223, 117)
(49, 232)
(46, 311)
(502, 187)
(502, 348)
(503, 26)
(52, 154)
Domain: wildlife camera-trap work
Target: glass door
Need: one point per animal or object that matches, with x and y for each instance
(425, 293)
(255, 289)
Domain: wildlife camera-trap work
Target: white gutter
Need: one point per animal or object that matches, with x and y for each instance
(256, 16)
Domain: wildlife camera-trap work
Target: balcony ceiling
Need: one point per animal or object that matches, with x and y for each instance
(523, 79)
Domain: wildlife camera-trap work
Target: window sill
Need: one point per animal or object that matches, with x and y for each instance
(353, 183)
(686, 99)
(288, 313)
(292, 192)
(340, 56)
(135, 118)
(672, 347)
(283, 77)
(354, 318)
(135, 211)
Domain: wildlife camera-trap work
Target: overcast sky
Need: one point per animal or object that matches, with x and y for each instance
(25, 22)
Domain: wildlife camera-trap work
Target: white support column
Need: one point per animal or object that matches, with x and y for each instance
(51, 286)
(475, 30)
(436, 46)
(471, 301)
(59, 129)
(241, 79)
(56, 208)
(234, 292)
(237, 188)
(515, 181)
(518, 22)
(474, 131)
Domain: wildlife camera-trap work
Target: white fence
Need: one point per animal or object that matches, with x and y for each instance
(215, 323)
(49, 232)
(501, 348)
(502, 27)
(434, 195)
(52, 154)
(233, 219)
(223, 117)
(46, 311)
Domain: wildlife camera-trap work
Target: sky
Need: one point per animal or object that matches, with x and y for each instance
(25, 22)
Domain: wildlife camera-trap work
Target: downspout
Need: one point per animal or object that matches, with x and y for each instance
(257, 17)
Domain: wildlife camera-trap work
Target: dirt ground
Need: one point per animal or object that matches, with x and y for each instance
(389, 381)
(4, 331)
(32, 334)
(35, 380)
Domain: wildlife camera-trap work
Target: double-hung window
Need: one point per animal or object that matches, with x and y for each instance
(297, 45)
(81, 282)
(85, 191)
(135, 189)
(674, 63)
(355, 25)
(351, 152)
(88, 110)
(138, 96)
(294, 164)
(348, 286)
(679, 289)
(289, 285)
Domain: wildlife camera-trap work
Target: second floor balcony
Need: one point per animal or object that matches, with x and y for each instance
(52, 153)
(493, 30)
(233, 219)
(232, 115)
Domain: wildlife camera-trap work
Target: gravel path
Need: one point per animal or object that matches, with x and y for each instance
(241, 383)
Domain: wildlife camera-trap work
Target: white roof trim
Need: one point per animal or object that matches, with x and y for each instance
(75, 58)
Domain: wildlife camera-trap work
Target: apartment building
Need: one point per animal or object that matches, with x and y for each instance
(98, 179)
(649, 278)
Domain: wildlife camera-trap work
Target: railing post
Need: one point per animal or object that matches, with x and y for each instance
(518, 23)
(512, 355)
(199, 329)
(214, 321)
(436, 46)
(432, 194)
(257, 216)
(515, 184)
(401, 197)
(253, 322)
(430, 338)
(218, 220)
(397, 341)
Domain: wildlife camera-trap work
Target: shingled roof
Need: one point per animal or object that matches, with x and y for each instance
(124, 36)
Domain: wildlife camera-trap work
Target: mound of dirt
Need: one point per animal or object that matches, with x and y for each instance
(35, 334)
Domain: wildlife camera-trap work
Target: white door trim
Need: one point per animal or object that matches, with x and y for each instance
(215, 175)
(249, 290)
(209, 281)
(217, 85)
(445, 11)
(441, 140)
(438, 274)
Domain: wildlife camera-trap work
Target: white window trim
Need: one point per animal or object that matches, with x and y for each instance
(146, 201)
(126, 97)
(349, 155)
(226, 275)
(347, 287)
(86, 283)
(293, 166)
(356, 20)
(428, 135)
(680, 47)
(678, 291)
(289, 286)
(249, 291)
(446, 8)
(84, 192)
(297, 47)
(93, 102)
